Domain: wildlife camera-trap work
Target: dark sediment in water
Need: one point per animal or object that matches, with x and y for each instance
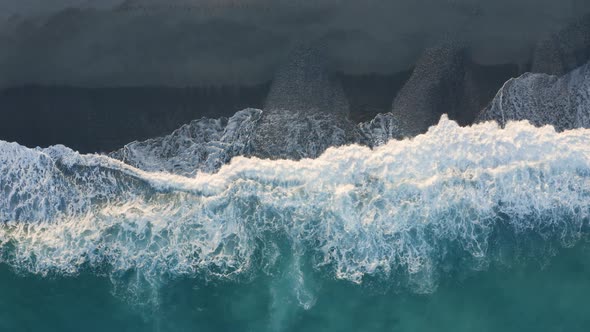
(306, 83)
(306, 110)
(435, 87)
(446, 81)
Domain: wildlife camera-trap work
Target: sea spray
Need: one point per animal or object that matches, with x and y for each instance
(406, 213)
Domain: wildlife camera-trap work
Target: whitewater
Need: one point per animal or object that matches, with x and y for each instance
(406, 214)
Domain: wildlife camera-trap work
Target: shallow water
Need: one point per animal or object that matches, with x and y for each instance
(460, 229)
(539, 297)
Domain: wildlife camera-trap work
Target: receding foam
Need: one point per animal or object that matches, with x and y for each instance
(401, 213)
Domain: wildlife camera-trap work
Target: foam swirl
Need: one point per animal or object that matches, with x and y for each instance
(409, 211)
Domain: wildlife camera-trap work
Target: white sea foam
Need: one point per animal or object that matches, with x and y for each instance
(202, 145)
(563, 102)
(319, 121)
(405, 210)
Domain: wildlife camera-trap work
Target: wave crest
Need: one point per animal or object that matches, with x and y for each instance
(409, 211)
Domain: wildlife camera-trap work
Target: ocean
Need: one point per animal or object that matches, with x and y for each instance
(476, 228)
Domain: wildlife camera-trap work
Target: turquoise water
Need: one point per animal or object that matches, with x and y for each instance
(539, 297)
(460, 229)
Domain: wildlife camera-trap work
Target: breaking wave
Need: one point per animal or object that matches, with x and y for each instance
(406, 213)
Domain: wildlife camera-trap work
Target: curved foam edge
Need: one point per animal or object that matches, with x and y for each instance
(403, 211)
